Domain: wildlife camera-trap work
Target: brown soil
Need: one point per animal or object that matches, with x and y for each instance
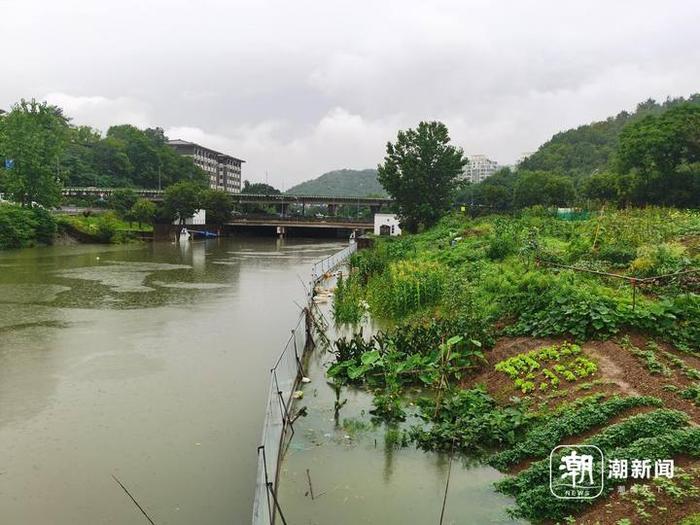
(621, 373)
(618, 506)
(630, 374)
(499, 385)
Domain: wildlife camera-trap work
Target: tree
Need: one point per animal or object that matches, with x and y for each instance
(259, 188)
(421, 172)
(181, 201)
(78, 162)
(33, 135)
(541, 187)
(122, 201)
(603, 187)
(661, 154)
(494, 192)
(218, 205)
(112, 162)
(142, 211)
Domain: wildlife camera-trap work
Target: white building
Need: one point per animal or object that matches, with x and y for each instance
(224, 171)
(479, 168)
(386, 224)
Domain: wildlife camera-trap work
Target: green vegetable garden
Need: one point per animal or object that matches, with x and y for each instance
(505, 336)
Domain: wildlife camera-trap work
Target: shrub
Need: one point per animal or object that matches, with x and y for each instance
(21, 227)
(46, 227)
(105, 227)
(504, 242)
(467, 420)
(17, 226)
(660, 259)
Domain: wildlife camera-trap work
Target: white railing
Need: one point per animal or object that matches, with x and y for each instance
(328, 264)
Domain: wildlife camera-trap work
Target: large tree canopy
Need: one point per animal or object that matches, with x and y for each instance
(661, 155)
(33, 137)
(546, 189)
(421, 172)
(181, 201)
(259, 188)
(218, 205)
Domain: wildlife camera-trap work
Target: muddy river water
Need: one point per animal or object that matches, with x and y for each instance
(147, 362)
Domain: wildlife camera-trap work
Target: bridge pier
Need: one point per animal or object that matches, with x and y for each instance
(332, 210)
(283, 209)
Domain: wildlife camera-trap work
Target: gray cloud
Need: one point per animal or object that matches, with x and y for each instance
(298, 88)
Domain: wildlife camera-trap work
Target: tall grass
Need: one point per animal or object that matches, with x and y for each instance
(406, 287)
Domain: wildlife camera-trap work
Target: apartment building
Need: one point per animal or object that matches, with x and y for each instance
(224, 171)
(479, 168)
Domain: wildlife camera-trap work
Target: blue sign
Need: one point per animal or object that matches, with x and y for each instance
(9, 164)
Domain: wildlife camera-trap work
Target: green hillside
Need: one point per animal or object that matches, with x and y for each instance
(583, 150)
(347, 183)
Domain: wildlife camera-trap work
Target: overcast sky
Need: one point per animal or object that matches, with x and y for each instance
(299, 87)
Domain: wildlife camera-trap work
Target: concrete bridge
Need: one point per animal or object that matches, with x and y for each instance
(282, 226)
(284, 221)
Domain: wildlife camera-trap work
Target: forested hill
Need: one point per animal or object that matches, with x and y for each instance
(583, 150)
(349, 183)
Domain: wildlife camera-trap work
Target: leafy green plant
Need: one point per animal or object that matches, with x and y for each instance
(630, 429)
(647, 356)
(542, 439)
(660, 259)
(688, 371)
(468, 420)
(526, 369)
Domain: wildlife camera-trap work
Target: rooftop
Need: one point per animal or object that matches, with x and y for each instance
(180, 142)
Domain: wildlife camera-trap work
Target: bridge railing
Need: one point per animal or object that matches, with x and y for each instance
(285, 376)
(257, 217)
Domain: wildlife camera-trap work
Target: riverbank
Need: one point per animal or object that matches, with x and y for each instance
(22, 227)
(525, 333)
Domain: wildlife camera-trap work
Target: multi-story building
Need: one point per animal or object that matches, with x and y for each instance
(479, 168)
(224, 171)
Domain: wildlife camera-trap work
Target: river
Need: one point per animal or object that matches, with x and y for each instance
(146, 362)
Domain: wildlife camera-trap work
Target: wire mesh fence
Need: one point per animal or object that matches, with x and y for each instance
(284, 379)
(324, 266)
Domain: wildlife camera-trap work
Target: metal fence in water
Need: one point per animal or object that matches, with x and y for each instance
(284, 380)
(325, 265)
